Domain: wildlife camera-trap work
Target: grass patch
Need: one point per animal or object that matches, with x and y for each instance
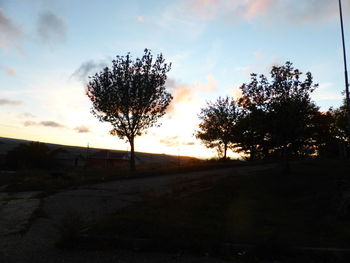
(49, 181)
(298, 209)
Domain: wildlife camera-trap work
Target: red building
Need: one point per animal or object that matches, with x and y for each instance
(106, 158)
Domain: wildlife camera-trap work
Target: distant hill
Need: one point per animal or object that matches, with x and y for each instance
(7, 144)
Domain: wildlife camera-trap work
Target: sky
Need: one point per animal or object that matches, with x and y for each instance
(49, 48)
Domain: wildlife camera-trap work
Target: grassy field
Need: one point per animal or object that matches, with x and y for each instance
(270, 207)
(41, 180)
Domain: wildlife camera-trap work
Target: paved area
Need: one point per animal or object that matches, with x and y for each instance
(27, 239)
(16, 210)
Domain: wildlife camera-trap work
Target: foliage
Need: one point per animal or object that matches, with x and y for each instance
(34, 155)
(218, 120)
(331, 132)
(278, 113)
(130, 95)
(339, 123)
(251, 133)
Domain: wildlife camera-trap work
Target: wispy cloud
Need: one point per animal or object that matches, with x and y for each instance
(187, 94)
(141, 19)
(82, 129)
(51, 28)
(51, 124)
(181, 93)
(10, 71)
(30, 123)
(173, 141)
(10, 33)
(10, 102)
(26, 115)
(235, 91)
(325, 92)
(88, 68)
(290, 11)
(209, 86)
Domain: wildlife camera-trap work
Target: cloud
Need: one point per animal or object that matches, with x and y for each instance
(302, 12)
(30, 123)
(88, 68)
(177, 19)
(27, 115)
(235, 91)
(51, 28)
(325, 92)
(51, 124)
(173, 141)
(262, 64)
(205, 9)
(188, 143)
(187, 94)
(10, 102)
(141, 19)
(206, 87)
(82, 129)
(181, 93)
(10, 33)
(9, 70)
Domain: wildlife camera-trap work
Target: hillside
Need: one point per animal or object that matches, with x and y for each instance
(7, 144)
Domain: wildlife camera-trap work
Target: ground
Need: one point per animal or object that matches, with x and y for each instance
(30, 221)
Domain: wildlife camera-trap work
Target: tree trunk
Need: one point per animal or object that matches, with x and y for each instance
(252, 154)
(132, 155)
(286, 164)
(225, 151)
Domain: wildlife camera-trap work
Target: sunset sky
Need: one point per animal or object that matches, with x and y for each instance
(48, 48)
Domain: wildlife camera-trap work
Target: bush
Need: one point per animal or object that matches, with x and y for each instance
(34, 155)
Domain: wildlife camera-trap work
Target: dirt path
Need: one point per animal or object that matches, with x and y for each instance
(89, 203)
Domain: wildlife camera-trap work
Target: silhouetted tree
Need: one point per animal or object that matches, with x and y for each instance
(339, 125)
(281, 110)
(217, 127)
(324, 136)
(331, 132)
(34, 155)
(251, 134)
(130, 95)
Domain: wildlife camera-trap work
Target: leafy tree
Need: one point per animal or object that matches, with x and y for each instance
(324, 136)
(217, 127)
(331, 132)
(339, 124)
(282, 110)
(250, 135)
(130, 95)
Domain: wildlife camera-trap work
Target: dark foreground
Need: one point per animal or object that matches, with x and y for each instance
(239, 214)
(301, 216)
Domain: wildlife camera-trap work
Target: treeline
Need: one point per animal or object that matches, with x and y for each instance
(275, 118)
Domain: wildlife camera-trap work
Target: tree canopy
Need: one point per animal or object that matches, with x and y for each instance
(130, 95)
(274, 118)
(218, 120)
(278, 112)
